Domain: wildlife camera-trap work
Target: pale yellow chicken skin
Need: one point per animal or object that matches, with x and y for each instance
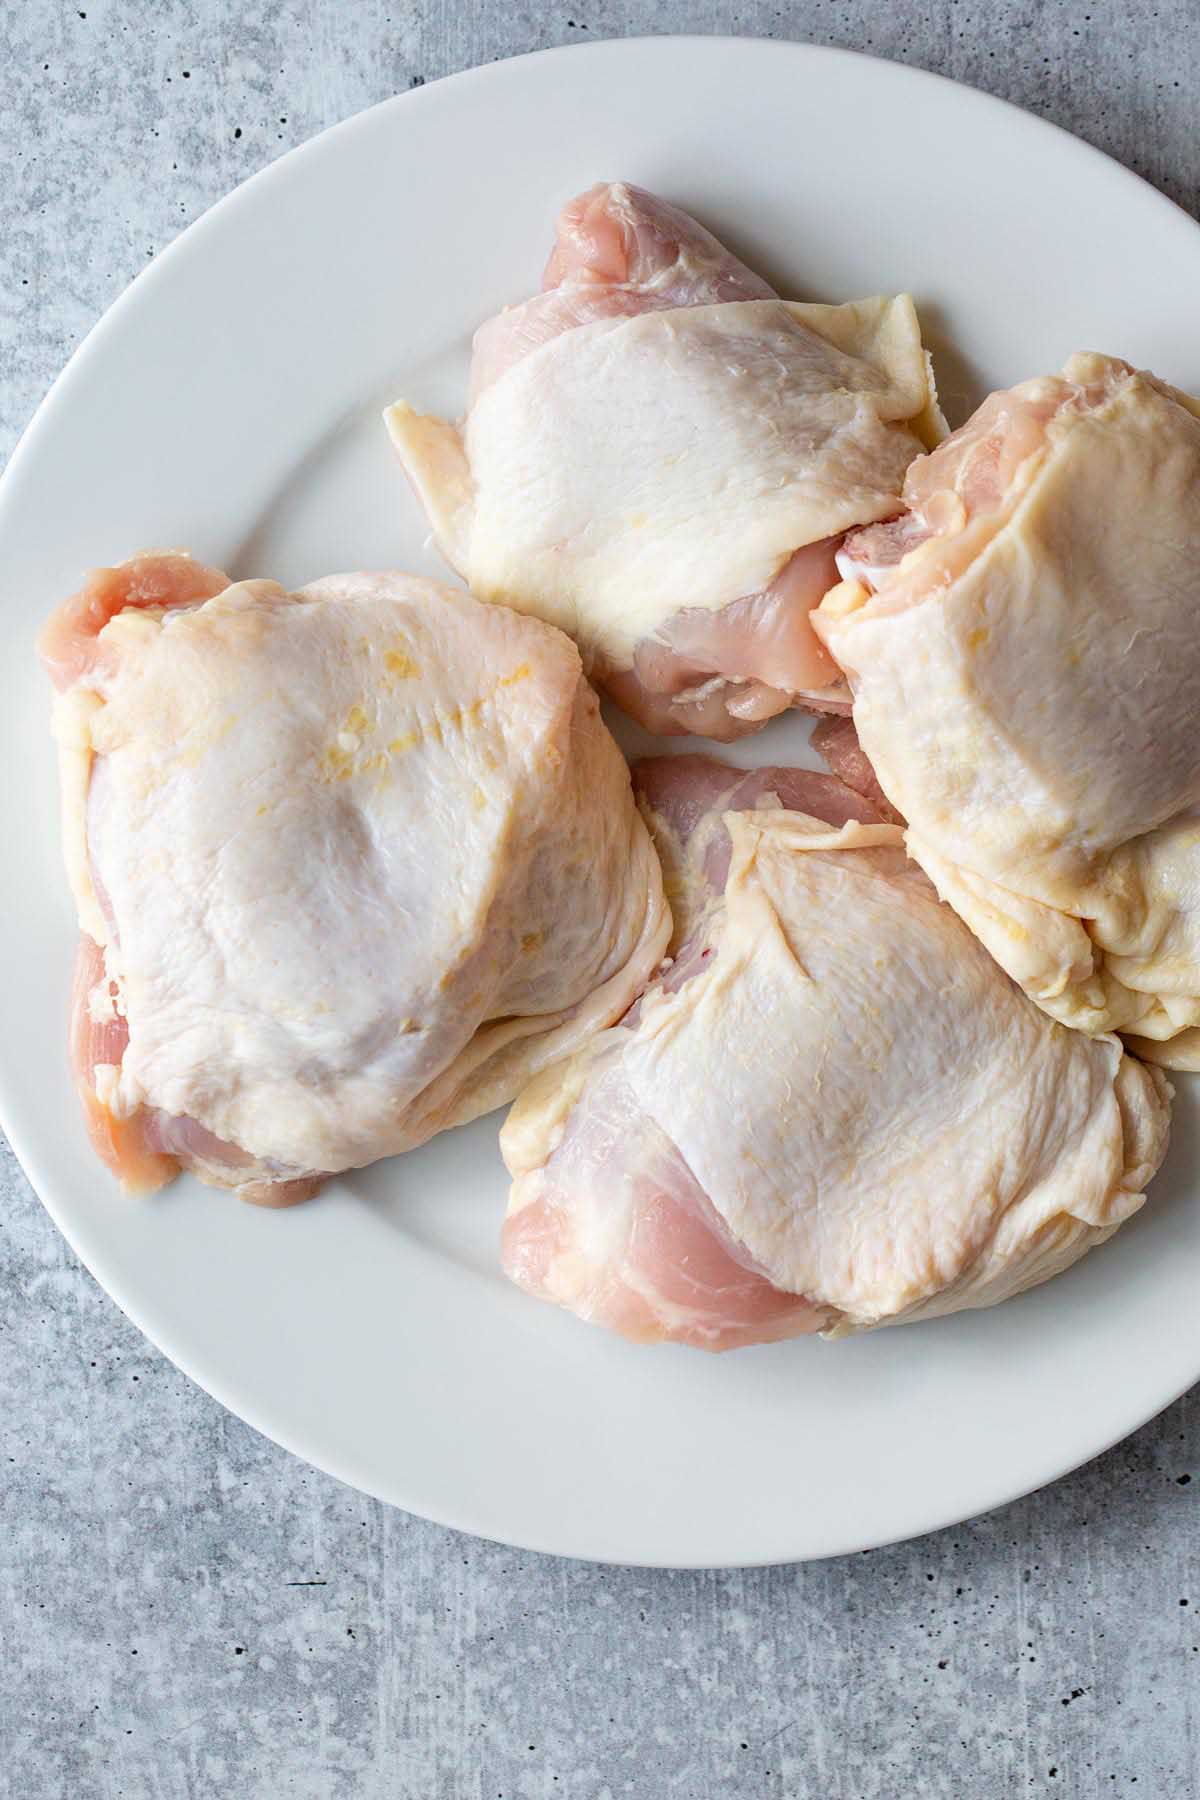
(351, 865)
(833, 1112)
(658, 455)
(1023, 649)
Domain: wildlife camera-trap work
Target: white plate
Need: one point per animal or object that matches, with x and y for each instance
(230, 402)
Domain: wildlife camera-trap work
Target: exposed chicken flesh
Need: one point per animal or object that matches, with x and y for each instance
(1026, 673)
(350, 864)
(659, 457)
(833, 1112)
(835, 739)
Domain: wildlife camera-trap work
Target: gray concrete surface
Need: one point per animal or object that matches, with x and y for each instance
(187, 1611)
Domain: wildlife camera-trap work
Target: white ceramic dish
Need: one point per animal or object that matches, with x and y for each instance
(230, 402)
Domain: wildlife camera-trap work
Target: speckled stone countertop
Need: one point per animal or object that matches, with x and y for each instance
(185, 1610)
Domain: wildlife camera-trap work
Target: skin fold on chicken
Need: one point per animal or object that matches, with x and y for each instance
(833, 1111)
(1023, 651)
(351, 865)
(659, 455)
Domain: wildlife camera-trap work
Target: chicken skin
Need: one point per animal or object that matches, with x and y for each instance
(1023, 651)
(351, 865)
(659, 455)
(832, 1112)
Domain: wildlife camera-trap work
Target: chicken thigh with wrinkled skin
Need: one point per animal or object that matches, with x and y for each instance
(1024, 653)
(351, 866)
(833, 1112)
(659, 456)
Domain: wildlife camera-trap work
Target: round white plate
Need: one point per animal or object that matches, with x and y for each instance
(230, 402)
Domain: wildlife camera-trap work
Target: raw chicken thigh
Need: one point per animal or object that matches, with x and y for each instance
(659, 456)
(1024, 651)
(834, 1111)
(351, 865)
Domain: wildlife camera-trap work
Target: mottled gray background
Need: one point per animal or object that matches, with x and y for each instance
(186, 1610)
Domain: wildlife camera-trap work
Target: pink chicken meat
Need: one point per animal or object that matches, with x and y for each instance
(832, 1111)
(659, 456)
